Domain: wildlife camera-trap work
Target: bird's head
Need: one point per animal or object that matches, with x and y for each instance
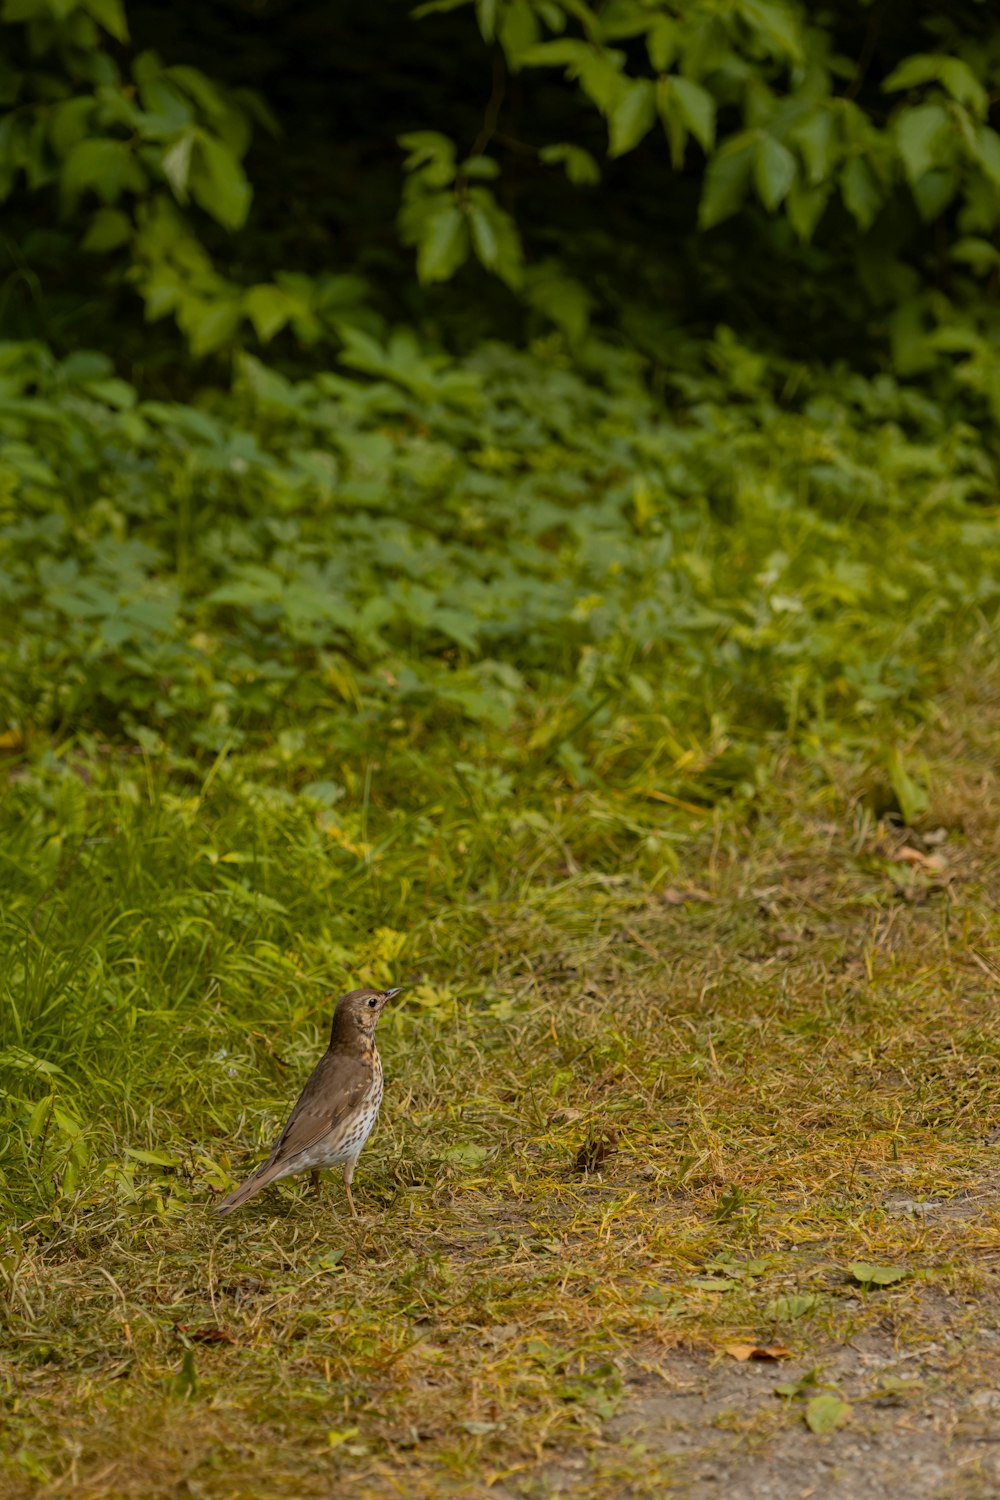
(359, 1011)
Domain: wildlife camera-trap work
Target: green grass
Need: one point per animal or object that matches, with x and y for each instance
(788, 1033)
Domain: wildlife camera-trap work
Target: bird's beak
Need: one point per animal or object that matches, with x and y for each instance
(391, 994)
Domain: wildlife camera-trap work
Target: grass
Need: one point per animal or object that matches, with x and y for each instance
(783, 1029)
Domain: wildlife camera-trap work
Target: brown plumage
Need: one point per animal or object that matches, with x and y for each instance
(337, 1109)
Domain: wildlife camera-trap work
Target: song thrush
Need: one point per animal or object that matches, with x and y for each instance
(337, 1109)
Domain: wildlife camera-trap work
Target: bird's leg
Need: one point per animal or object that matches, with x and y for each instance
(348, 1174)
(314, 1178)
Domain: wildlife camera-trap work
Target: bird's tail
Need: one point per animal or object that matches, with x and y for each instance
(249, 1189)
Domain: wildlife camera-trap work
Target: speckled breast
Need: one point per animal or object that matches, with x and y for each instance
(360, 1125)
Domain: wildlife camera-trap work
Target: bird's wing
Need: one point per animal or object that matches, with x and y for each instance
(333, 1091)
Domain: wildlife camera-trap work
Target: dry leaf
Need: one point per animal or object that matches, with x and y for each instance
(757, 1351)
(207, 1335)
(910, 856)
(674, 896)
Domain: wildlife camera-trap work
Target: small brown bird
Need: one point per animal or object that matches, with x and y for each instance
(336, 1111)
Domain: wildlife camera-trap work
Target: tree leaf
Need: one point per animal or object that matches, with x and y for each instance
(826, 1412)
(860, 191)
(176, 164)
(774, 170)
(954, 75)
(727, 181)
(268, 308)
(443, 245)
(495, 237)
(986, 149)
(109, 228)
(917, 132)
(486, 15)
(107, 167)
(696, 108)
(805, 206)
(631, 116)
(111, 15)
(661, 42)
(816, 139)
(580, 167)
(218, 182)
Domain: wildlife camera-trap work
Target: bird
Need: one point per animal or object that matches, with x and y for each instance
(336, 1111)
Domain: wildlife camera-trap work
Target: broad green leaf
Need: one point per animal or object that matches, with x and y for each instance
(662, 41)
(795, 1305)
(911, 794)
(978, 254)
(816, 139)
(877, 1275)
(805, 206)
(109, 228)
(964, 87)
(954, 75)
(565, 52)
(269, 308)
(486, 15)
(70, 122)
(673, 121)
(210, 325)
(934, 191)
(986, 150)
(697, 109)
(560, 297)
(494, 236)
(106, 167)
(601, 80)
(580, 167)
(431, 151)
(443, 245)
(218, 182)
(826, 1412)
(484, 238)
(632, 116)
(177, 164)
(777, 24)
(480, 169)
(111, 15)
(921, 136)
(727, 181)
(620, 20)
(922, 67)
(774, 170)
(518, 30)
(860, 191)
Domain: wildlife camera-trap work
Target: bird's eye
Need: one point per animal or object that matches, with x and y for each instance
(373, 1002)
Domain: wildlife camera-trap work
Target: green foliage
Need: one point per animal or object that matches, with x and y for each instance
(465, 542)
(863, 160)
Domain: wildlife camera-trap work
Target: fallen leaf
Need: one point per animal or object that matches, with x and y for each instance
(207, 1335)
(674, 896)
(910, 856)
(826, 1412)
(757, 1351)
